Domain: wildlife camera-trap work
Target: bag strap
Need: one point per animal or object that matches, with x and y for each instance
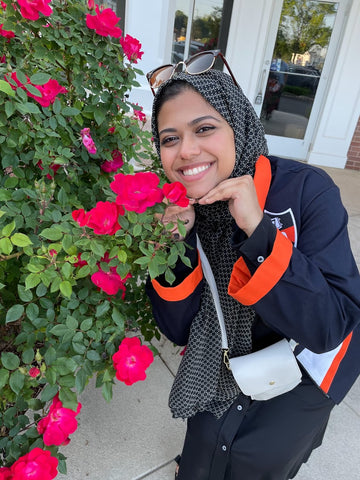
(208, 274)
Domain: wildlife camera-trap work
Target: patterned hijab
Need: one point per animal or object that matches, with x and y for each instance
(202, 382)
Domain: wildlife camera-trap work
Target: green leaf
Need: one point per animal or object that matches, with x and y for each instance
(8, 229)
(70, 111)
(66, 288)
(25, 295)
(29, 108)
(32, 311)
(72, 323)
(83, 272)
(68, 398)
(6, 247)
(21, 240)
(32, 280)
(28, 356)
(86, 324)
(53, 234)
(14, 313)
(49, 392)
(102, 308)
(81, 380)
(5, 87)
(59, 330)
(16, 381)
(99, 116)
(50, 355)
(9, 360)
(93, 356)
(40, 78)
(107, 391)
(4, 377)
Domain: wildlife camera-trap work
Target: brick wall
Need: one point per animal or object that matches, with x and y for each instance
(353, 155)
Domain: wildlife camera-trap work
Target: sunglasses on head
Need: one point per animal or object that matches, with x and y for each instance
(198, 63)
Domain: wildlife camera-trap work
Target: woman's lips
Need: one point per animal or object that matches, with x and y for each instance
(190, 172)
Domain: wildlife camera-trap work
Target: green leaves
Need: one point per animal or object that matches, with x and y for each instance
(14, 313)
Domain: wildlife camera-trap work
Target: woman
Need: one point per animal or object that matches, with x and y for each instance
(275, 234)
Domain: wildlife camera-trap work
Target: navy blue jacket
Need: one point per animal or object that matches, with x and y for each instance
(296, 270)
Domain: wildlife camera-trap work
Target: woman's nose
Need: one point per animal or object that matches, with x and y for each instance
(189, 148)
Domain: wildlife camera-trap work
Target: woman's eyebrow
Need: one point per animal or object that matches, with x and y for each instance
(201, 119)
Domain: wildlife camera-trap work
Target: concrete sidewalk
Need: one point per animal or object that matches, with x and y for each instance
(135, 438)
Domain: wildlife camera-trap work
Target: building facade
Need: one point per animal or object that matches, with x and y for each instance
(298, 62)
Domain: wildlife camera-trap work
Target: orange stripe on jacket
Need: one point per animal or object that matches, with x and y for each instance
(262, 179)
(329, 377)
(183, 290)
(248, 289)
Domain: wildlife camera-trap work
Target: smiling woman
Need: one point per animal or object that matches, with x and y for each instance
(274, 246)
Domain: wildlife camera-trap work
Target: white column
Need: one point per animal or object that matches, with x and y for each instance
(342, 107)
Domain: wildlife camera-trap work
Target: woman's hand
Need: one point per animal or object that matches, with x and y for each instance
(241, 194)
(173, 213)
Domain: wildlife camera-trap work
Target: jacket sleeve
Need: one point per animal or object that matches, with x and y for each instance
(175, 306)
(310, 293)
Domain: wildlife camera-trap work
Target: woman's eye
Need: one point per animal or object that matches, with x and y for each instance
(168, 140)
(206, 128)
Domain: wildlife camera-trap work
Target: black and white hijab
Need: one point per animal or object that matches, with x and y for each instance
(202, 381)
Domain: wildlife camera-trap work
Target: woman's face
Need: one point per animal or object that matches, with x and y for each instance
(197, 145)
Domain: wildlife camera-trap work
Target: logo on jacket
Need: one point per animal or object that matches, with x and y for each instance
(285, 222)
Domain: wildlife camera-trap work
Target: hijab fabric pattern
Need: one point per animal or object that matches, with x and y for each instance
(202, 381)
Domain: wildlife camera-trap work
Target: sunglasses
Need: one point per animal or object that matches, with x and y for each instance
(198, 63)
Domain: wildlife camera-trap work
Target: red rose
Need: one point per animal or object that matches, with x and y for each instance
(176, 193)
(5, 473)
(131, 47)
(139, 114)
(80, 216)
(80, 263)
(110, 282)
(38, 464)
(103, 219)
(34, 372)
(59, 423)
(30, 8)
(6, 33)
(114, 164)
(137, 192)
(49, 91)
(104, 23)
(131, 361)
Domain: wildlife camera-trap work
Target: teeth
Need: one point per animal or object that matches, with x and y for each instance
(195, 171)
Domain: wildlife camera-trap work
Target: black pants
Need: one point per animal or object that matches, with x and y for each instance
(256, 440)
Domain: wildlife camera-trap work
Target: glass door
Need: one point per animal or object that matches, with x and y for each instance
(200, 25)
(296, 72)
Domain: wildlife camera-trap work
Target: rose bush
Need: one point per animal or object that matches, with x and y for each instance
(79, 226)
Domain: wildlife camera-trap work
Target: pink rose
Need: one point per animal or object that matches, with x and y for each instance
(59, 423)
(176, 193)
(111, 130)
(30, 8)
(6, 33)
(38, 464)
(88, 142)
(104, 23)
(34, 371)
(103, 219)
(131, 360)
(4, 5)
(131, 47)
(49, 91)
(137, 192)
(139, 114)
(114, 164)
(91, 4)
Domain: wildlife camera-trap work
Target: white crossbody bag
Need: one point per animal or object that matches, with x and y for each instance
(264, 374)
